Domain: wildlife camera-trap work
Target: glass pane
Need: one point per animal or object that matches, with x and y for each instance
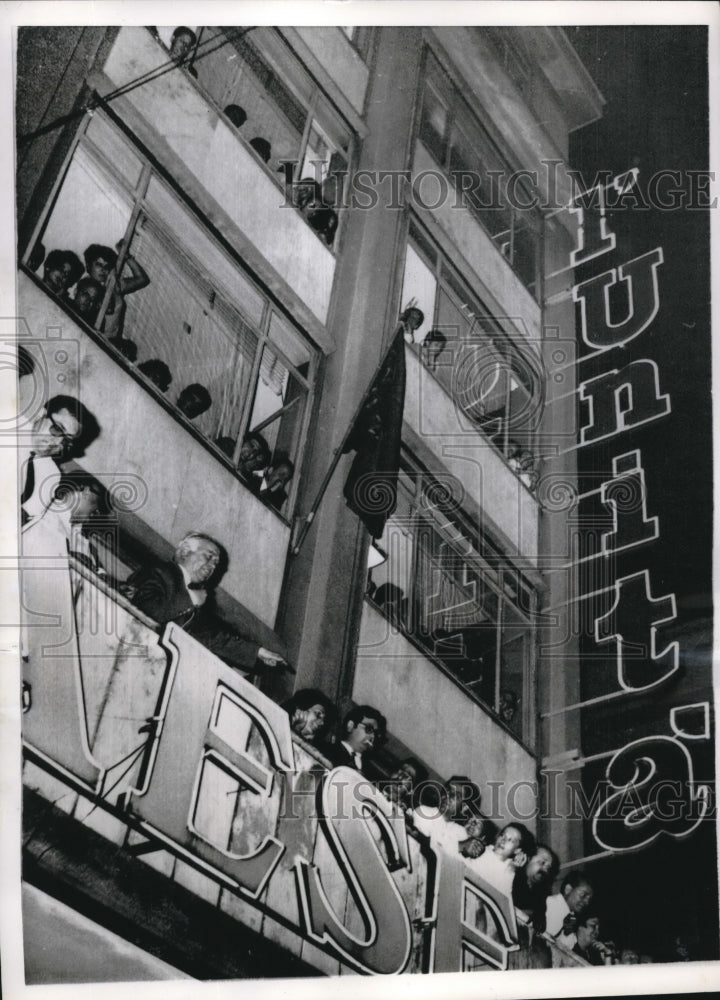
(189, 233)
(433, 124)
(180, 321)
(261, 87)
(88, 210)
(525, 251)
(391, 581)
(116, 149)
(278, 408)
(514, 651)
(481, 387)
(419, 283)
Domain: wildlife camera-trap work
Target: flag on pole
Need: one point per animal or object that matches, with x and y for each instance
(371, 486)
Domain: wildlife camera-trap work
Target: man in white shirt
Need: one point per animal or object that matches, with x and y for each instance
(564, 908)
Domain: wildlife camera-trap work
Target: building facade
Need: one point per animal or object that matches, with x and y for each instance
(289, 192)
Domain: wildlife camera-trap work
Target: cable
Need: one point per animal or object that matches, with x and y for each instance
(153, 74)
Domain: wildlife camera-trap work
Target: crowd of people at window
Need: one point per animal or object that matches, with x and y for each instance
(83, 290)
(306, 194)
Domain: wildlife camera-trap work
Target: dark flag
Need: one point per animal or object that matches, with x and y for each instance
(371, 485)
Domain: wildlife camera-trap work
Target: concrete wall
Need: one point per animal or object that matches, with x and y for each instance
(184, 487)
(437, 721)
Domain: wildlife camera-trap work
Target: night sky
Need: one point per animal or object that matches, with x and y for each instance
(654, 80)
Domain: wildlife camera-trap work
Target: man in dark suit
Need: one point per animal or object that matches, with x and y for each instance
(181, 592)
(361, 727)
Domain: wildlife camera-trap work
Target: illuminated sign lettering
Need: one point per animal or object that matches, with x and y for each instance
(621, 399)
(656, 794)
(632, 623)
(651, 779)
(639, 280)
(626, 497)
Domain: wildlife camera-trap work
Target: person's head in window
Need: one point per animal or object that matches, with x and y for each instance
(193, 400)
(99, 262)
(88, 297)
(158, 373)
(66, 428)
(508, 705)
(262, 147)
(54, 275)
(126, 347)
(513, 843)
(577, 892)
(542, 868)
(72, 267)
(404, 780)
(81, 495)
(182, 43)
(226, 445)
(279, 473)
(461, 799)
(362, 727)
(432, 347)
(254, 454)
(236, 114)
(310, 714)
(200, 557)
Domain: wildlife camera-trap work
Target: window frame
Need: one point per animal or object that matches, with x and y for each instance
(137, 196)
(310, 109)
(489, 564)
(460, 118)
(482, 324)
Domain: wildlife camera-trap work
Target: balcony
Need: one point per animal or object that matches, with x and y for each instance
(457, 445)
(391, 671)
(147, 757)
(496, 282)
(146, 455)
(185, 131)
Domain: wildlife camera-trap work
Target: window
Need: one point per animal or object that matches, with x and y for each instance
(464, 150)
(198, 321)
(491, 380)
(449, 588)
(274, 100)
(361, 36)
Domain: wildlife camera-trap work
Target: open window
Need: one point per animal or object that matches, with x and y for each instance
(448, 587)
(465, 152)
(492, 380)
(200, 333)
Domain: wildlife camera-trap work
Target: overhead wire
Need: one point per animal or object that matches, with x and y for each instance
(126, 88)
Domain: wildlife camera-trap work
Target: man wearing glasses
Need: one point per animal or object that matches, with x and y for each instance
(62, 433)
(361, 727)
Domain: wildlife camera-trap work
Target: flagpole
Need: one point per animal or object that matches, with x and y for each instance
(337, 454)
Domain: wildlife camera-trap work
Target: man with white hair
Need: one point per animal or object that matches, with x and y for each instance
(182, 592)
